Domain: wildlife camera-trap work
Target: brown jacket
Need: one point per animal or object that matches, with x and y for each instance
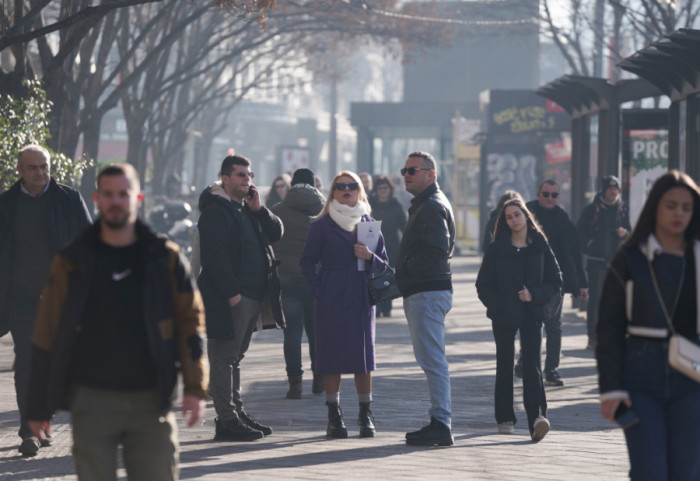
(174, 318)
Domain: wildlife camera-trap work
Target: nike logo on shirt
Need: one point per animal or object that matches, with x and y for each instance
(118, 276)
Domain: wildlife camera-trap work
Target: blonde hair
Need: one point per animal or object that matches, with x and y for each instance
(361, 197)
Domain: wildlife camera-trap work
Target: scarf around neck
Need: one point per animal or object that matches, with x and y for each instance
(345, 216)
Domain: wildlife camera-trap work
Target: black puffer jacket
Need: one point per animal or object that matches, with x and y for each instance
(501, 277)
(221, 253)
(563, 239)
(297, 212)
(427, 244)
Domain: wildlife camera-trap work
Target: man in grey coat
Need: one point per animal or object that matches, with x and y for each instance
(37, 217)
(297, 211)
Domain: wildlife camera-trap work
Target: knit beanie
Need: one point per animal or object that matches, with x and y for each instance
(609, 181)
(303, 176)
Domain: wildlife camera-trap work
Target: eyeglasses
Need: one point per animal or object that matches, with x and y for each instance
(412, 170)
(343, 186)
(243, 174)
(546, 194)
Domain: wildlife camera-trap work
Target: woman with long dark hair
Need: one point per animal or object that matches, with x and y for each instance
(519, 275)
(650, 291)
(345, 323)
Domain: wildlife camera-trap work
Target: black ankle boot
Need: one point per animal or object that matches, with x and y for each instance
(336, 424)
(366, 421)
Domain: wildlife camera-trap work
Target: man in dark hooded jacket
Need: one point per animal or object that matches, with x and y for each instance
(297, 211)
(603, 225)
(238, 278)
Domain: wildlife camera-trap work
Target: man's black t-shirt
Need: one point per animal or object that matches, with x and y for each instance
(112, 349)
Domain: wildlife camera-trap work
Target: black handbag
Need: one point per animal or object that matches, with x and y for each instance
(383, 287)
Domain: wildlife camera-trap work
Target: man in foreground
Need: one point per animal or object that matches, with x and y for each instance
(119, 316)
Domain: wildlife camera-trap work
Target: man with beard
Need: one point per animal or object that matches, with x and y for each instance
(37, 217)
(602, 227)
(118, 318)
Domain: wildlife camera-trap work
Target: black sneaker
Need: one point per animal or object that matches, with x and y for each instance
(250, 421)
(552, 378)
(518, 369)
(235, 430)
(29, 447)
(434, 434)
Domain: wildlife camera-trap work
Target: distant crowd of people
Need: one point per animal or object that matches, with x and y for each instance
(104, 315)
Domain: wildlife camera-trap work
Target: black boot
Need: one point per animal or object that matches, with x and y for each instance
(295, 384)
(366, 421)
(336, 424)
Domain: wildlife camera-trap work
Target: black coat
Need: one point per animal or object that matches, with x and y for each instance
(563, 239)
(221, 252)
(393, 217)
(68, 217)
(501, 277)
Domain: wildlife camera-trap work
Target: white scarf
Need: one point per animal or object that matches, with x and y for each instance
(345, 216)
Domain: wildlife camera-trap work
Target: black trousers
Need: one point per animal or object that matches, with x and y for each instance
(21, 317)
(533, 388)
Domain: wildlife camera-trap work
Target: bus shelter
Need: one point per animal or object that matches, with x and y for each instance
(595, 107)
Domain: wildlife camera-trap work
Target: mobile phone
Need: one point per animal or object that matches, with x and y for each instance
(625, 417)
(251, 192)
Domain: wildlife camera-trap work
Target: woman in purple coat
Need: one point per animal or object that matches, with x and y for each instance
(344, 327)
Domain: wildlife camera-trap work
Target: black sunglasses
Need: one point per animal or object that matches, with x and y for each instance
(343, 186)
(554, 194)
(412, 170)
(244, 174)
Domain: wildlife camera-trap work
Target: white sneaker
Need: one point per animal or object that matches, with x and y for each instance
(540, 429)
(506, 428)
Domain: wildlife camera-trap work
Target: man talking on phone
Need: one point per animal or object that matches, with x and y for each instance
(238, 277)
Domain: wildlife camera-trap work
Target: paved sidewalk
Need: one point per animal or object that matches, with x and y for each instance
(581, 445)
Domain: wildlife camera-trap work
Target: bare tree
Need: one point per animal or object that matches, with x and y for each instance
(620, 26)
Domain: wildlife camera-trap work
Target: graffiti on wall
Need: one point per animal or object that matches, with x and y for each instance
(510, 171)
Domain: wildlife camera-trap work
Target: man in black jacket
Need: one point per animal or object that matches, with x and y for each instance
(238, 274)
(563, 239)
(603, 225)
(425, 280)
(37, 217)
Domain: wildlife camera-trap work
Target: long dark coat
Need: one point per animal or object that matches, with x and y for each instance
(344, 317)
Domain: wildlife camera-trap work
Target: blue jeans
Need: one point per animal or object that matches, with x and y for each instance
(665, 444)
(534, 397)
(425, 313)
(298, 305)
